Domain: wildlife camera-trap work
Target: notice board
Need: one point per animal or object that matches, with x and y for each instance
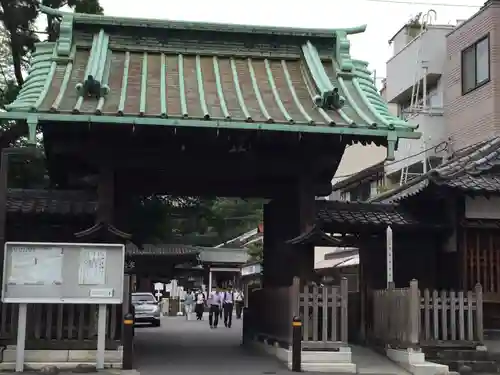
(42, 272)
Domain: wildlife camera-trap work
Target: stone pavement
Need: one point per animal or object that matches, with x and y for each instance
(181, 347)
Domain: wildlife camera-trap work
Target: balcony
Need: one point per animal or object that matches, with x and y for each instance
(403, 70)
(432, 126)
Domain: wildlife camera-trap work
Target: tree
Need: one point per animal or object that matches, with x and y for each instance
(18, 36)
(256, 251)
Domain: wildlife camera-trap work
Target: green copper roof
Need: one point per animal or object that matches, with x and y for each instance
(295, 79)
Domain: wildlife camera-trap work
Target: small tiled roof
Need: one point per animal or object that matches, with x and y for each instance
(286, 77)
(473, 170)
(58, 202)
(333, 213)
(163, 250)
(223, 255)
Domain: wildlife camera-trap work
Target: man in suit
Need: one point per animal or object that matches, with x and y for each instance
(227, 305)
(214, 303)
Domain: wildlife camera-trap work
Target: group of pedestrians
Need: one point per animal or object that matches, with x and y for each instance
(220, 303)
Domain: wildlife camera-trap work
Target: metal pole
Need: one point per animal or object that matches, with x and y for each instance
(21, 337)
(296, 344)
(101, 337)
(389, 248)
(128, 342)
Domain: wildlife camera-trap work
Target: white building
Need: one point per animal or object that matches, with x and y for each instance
(414, 86)
(414, 90)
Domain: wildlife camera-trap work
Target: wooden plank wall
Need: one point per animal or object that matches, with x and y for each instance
(57, 325)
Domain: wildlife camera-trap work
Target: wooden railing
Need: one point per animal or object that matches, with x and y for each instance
(60, 326)
(408, 316)
(452, 316)
(323, 310)
(324, 313)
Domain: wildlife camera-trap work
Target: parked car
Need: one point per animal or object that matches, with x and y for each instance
(146, 309)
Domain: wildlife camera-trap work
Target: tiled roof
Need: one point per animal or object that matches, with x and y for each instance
(474, 169)
(161, 250)
(308, 80)
(58, 202)
(357, 213)
(361, 176)
(223, 255)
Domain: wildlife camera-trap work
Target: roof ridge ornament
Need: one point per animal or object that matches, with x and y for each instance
(343, 46)
(93, 85)
(329, 100)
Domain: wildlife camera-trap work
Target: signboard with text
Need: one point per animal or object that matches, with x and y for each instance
(42, 272)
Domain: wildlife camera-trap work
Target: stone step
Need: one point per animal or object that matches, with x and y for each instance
(476, 366)
(459, 354)
(61, 356)
(492, 334)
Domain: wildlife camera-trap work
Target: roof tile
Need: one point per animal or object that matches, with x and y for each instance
(58, 202)
(161, 250)
(358, 213)
(472, 169)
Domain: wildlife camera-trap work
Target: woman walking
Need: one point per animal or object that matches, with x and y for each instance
(200, 305)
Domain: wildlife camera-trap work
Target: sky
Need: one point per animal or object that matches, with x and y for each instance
(384, 18)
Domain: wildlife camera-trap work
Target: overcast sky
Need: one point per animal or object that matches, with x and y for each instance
(383, 18)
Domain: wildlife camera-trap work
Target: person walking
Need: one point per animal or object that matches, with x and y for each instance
(188, 303)
(200, 305)
(238, 302)
(227, 305)
(214, 302)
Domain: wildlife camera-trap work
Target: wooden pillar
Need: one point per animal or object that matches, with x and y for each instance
(285, 218)
(106, 196)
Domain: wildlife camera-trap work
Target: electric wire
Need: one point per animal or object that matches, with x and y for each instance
(440, 147)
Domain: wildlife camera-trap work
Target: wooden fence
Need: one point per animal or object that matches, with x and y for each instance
(60, 326)
(323, 310)
(324, 313)
(408, 316)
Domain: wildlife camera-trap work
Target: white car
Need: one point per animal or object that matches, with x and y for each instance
(146, 309)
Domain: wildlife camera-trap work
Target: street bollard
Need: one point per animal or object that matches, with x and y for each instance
(246, 326)
(128, 342)
(296, 344)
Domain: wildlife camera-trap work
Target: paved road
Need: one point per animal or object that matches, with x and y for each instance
(181, 347)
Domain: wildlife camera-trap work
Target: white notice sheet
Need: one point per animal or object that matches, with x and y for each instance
(92, 267)
(30, 265)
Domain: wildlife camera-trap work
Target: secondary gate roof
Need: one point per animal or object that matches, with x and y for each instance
(152, 72)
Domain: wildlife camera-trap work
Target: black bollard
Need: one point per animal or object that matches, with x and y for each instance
(128, 342)
(246, 326)
(296, 344)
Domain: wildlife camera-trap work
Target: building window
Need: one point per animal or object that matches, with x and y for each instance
(476, 65)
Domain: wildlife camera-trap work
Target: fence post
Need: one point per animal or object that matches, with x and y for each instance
(296, 344)
(479, 312)
(344, 293)
(128, 342)
(414, 313)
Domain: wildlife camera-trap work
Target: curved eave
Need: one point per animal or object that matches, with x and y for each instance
(197, 26)
(157, 121)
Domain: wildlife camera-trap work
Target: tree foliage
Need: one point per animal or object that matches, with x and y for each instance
(256, 251)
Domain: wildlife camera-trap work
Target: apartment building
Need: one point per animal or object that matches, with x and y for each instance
(472, 93)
